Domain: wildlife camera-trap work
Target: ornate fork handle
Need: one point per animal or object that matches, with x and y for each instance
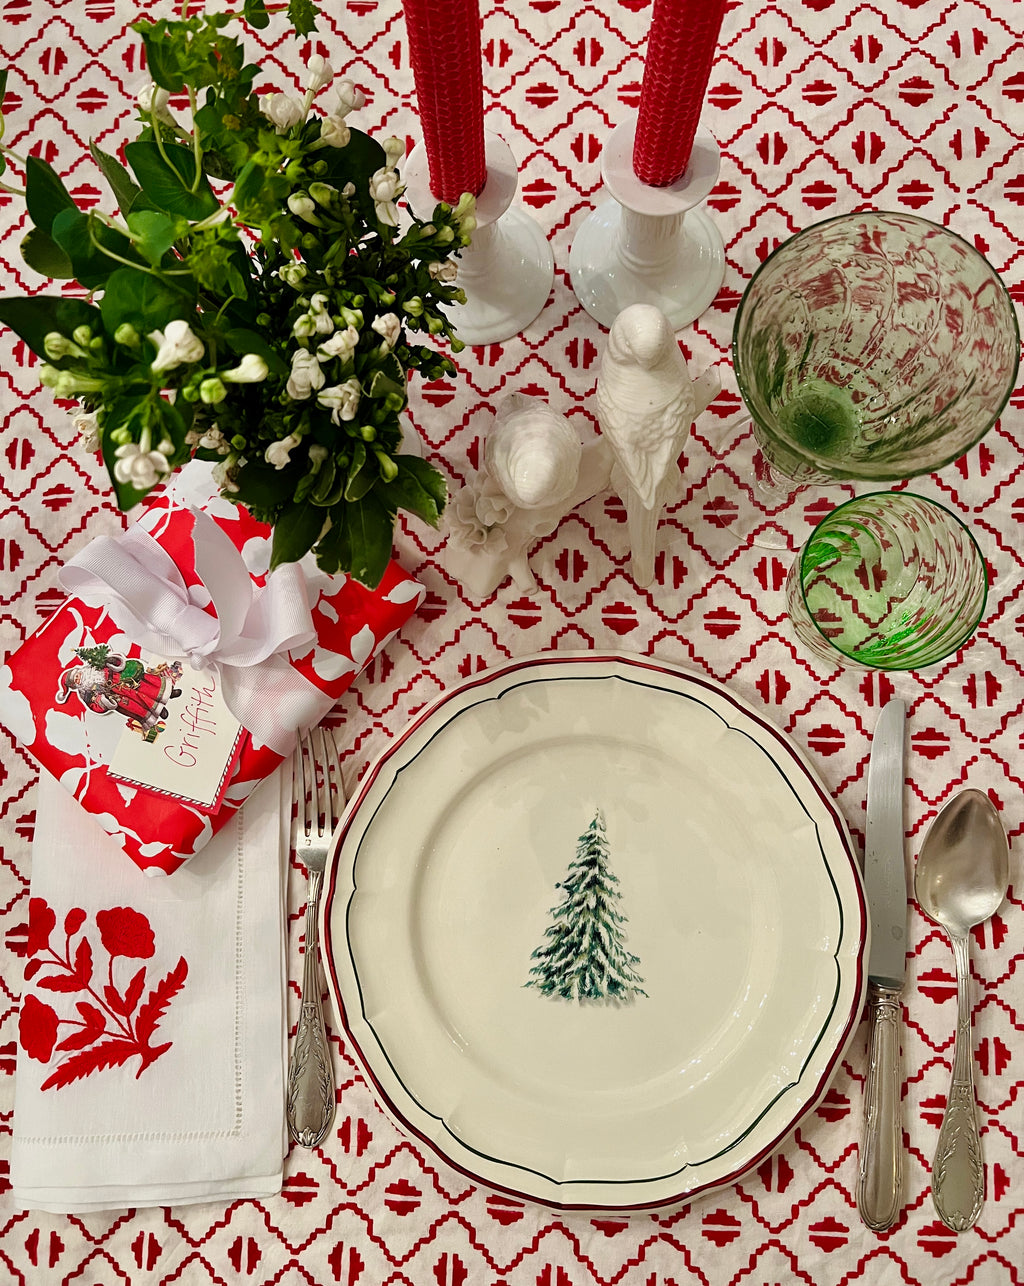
(311, 1093)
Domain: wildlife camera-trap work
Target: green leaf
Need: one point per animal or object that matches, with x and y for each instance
(127, 193)
(161, 55)
(142, 300)
(295, 533)
(92, 247)
(153, 233)
(380, 384)
(328, 485)
(33, 317)
(362, 538)
(44, 255)
(260, 486)
(45, 193)
(255, 14)
(168, 180)
(302, 16)
(360, 158)
(419, 488)
(362, 473)
(248, 185)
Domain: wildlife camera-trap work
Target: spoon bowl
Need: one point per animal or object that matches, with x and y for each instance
(963, 870)
(961, 878)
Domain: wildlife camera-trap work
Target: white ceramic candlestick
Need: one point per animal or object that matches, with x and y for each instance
(650, 245)
(508, 269)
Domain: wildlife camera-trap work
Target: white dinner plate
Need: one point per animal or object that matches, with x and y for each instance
(595, 931)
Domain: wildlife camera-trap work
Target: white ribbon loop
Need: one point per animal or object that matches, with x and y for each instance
(246, 644)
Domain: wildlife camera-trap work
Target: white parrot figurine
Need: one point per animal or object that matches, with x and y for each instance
(646, 403)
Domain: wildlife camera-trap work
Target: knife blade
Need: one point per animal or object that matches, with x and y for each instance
(879, 1190)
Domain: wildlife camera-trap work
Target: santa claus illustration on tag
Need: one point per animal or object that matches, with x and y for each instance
(108, 682)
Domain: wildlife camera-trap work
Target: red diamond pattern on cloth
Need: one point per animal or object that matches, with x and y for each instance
(820, 106)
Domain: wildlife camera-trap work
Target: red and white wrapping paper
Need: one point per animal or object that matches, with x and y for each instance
(74, 744)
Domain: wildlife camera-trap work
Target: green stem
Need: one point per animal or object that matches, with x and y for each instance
(197, 151)
(212, 219)
(158, 136)
(111, 254)
(111, 222)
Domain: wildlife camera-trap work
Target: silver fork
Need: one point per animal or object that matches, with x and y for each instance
(311, 1093)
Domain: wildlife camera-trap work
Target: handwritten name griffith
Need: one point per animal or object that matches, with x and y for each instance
(198, 719)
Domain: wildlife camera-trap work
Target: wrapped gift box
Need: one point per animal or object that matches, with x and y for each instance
(115, 724)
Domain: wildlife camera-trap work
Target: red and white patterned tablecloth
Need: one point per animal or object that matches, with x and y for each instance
(820, 106)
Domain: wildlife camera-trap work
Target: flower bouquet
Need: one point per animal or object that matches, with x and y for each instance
(252, 301)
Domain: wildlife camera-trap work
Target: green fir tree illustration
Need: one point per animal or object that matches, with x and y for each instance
(94, 655)
(584, 956)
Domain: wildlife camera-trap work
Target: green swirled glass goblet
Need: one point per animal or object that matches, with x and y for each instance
(873, 346)
(887, 581)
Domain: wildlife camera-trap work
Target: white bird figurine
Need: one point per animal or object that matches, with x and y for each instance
(646, 403)
(535, 471)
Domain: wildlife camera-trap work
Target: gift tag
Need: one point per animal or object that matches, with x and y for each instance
(180, 739)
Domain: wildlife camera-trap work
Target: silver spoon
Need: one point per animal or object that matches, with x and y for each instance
(961, 878)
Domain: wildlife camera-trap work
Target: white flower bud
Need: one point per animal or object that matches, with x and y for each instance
(293, 274)
(389, 327)
(334, 132)
(341, 344)
(306, 375)
(342, 400)
(56, 346)
(138, 468)
(350, 97)
(321, 73)
(385, 187)
(214, 440)
(303, 206)
(88, 430)
(153, 101)
(175, 346)
(252, 369)
(279, 453)
(281, 110)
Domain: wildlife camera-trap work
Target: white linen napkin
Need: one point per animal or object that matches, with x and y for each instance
(200, 1117)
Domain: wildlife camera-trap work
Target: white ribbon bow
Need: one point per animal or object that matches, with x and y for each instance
(246, 644)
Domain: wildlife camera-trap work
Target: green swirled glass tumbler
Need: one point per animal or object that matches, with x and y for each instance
(887, 581)
(873, 346)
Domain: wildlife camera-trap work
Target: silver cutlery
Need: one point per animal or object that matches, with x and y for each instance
(961, 878)
(880, 1184)
(320, 797)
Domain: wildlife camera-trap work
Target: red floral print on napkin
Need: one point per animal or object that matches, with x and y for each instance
(113, 1023)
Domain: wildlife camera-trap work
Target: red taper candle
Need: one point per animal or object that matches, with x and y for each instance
(444, 49)
(680, 51)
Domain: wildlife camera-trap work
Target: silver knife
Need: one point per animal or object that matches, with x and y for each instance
(879, 1190)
